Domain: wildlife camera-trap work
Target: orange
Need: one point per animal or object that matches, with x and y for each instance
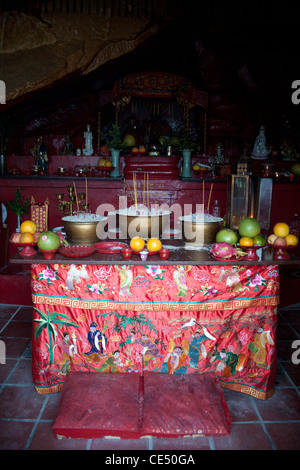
(154, 244)
(291, 239)
(135, 149)
(246, 241)
(26, 237)
(28, 226)
(137, 243)
(281, 229)
(108, 163)
(142, 148)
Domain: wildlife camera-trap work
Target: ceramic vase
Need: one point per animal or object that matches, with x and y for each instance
(186, 166)
(115, 157)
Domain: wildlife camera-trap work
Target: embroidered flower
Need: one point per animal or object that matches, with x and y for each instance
(256, 280)
(49, 274)
(153, 270)
(208, 290)
(244, 338)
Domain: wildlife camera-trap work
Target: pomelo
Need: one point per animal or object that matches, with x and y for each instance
(48, 241)
(227, 235)
(129, 140)
(249, 227)
(296, 169)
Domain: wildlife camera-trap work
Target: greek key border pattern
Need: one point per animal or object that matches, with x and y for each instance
(176, 306)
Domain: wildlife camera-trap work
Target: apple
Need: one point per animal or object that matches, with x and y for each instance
(280, 241)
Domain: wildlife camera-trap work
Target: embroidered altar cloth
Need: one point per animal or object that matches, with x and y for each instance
(165, 319)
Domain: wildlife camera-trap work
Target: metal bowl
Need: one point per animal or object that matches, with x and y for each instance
(199, 233)
(145, 226)
(84, 233)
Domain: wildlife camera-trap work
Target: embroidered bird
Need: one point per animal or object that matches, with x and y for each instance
(189, 324)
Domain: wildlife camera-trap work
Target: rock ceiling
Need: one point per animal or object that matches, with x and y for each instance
(55, 62)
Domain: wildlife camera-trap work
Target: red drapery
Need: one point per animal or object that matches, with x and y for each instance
(164, 319)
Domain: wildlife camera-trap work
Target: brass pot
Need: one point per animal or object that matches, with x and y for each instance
(199, 233)
(145, 226)
(84, 233)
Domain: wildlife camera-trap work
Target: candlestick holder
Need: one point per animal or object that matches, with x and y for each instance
(66, 207)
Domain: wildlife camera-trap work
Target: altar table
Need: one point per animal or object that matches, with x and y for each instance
(169, 319)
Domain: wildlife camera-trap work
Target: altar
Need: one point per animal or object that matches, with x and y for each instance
(187, 317)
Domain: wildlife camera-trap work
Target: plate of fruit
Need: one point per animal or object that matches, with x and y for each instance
(282, 241)
(26, 239)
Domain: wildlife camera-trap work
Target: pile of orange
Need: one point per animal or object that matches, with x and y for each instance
(281, 230)
(28, 229)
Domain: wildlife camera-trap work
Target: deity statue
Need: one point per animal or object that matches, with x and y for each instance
(68, 148)
(88, 149)
(260, 150)
(218, 159)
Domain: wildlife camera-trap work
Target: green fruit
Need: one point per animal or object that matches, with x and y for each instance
(249, 227)
(295, 169)
(129, 140)
(226, 235)
(259, 240)
(48, 241)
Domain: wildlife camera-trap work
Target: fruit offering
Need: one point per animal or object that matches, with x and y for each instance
(28, 227)
(137, 243)
(225, 250)
(154, 244)
(48, 241)
(249, 227)
(281, 236)
(104, 162)
(227, 235)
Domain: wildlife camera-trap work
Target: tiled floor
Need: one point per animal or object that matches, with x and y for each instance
(26, 417)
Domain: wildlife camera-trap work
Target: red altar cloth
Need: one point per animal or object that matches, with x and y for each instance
(164, 319)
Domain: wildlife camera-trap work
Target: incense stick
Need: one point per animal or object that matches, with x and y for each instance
(148, 205)
(76, 196)
(209, 197)
(203, 194)
(86, 192)
(134, 189)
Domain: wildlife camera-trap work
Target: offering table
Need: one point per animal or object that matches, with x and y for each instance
(185, 315)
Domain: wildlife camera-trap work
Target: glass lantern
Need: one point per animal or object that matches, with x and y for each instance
(239, 200)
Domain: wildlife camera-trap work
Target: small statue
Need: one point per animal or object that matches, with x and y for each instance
(260, 150)
(218, 159)
(88, 149)
(68, 148)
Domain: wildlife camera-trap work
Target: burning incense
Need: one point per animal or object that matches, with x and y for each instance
(148, 201)
(209, 197)
(134, 189)
(76, 196)
(86, 192)
(203, 194)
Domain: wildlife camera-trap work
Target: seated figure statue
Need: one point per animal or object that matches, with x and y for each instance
(260, 149)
